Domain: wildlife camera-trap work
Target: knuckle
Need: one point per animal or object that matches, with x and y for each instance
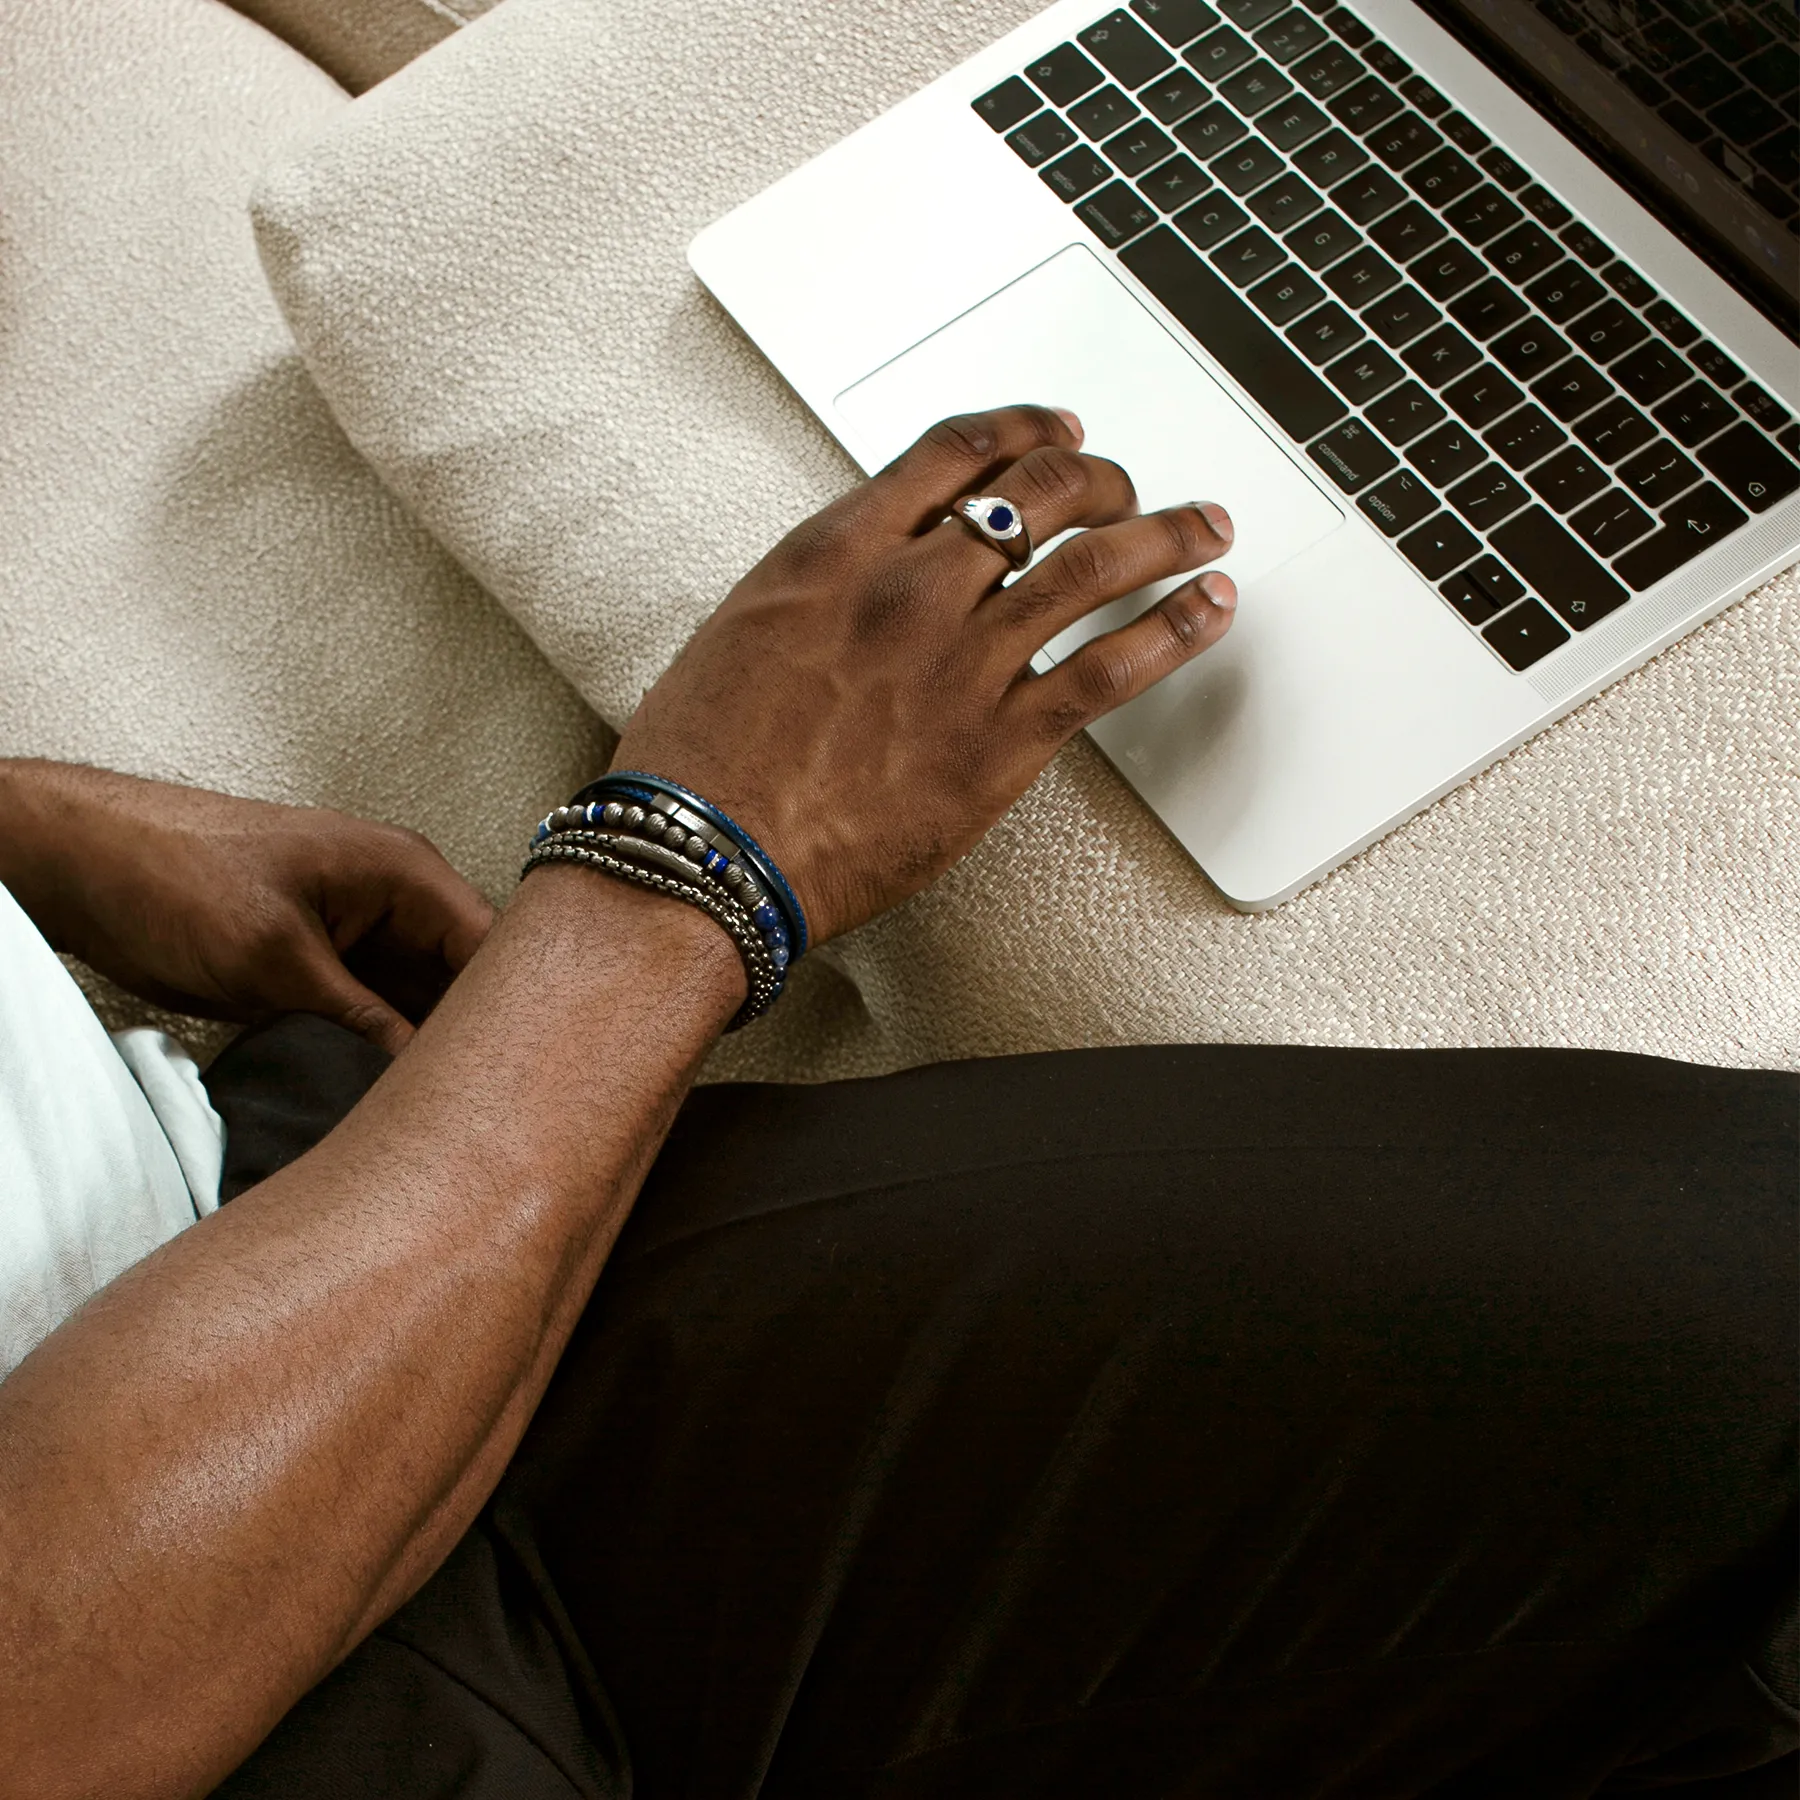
(1181, 537)
(1099, 681)
(1092, 565)
(1061, 719)
(1059, 476)
(1183, 628)
(968, 437)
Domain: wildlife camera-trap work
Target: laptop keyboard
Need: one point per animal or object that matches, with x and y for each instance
(1539, 431)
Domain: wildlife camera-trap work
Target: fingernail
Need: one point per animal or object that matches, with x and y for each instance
(1220, 589)
(1219, 519)
(1070, 420)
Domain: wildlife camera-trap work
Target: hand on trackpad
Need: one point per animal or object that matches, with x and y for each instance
(1069, 334)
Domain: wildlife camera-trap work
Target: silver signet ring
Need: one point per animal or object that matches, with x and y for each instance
(998, 522)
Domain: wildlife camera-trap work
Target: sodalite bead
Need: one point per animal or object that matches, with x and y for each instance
(767, 917)
(778, 955)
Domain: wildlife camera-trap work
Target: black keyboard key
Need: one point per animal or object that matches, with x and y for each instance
(1439, 545)
(1138, 147)
(1608, 331)
(1363, 277)
(1487, 496)
(1447, 270)
(1399, 317)
(1568, 478)
(1403, 141)
(1117, 214)
(1694, 413)
(1419, 92)
(1349, 27)
(1176, 22)
(1293, 34)
(1102, 113)
(1248, 14)
(1675, 326)
(1368, 195)
(1528, 349)
(1709, 359)
(1248, 257)
(1387, 62)
(1582, 243)
(1609, 524)
(1078, 173)
(1292, 123)
(1703, 518)
(1321, 241)
(1363, 373)
(1549, 560)
(1324, 333)
(1353, 456)
(1220, 53)
(1525, 437)
(1403, 412)
(1545, 207)
(1489, 308)
(1649, 372)
(1468, 598)
(1330, 158)
(1658, 474)
(1464, 133)
(1441, 355)
(1174, 183)
(1041, 138)
(1246, 166)
(1127, 51)
(1064, 75)
(1573, 388)
(1565, 292)
(1256, 88)
(1007, 105)
(1482, 396)
(1173, 96)
(1328, 72)
(1406, 231)
(1248, 350)
(1361, 108)
(1501, 168)
(1212, 129)
(1399, 503)
(1525, 635)
(1285, 295)
(1762, 406)
(1496, 580)
(1448, 454)
(1628, 284)
(1789, 439)
(1751, 468)
(1443, 177)
(1285, 202)
(1481, 215)
(1613, 432)
(1525, 251)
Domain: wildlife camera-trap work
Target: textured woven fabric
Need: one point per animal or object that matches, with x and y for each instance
(199, 578)
(483, 262)
(358, 42)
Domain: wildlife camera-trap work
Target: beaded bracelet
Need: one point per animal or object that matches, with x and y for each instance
(667, 813)
(634, 860)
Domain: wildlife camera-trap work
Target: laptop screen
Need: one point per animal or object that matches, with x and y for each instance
(1689, 103)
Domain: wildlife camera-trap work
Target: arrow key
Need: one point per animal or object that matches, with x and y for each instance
(1703, 519)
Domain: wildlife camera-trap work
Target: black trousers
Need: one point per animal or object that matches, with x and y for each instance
(1143, 1423)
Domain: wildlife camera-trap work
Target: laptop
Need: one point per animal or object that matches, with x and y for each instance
(1479, 316)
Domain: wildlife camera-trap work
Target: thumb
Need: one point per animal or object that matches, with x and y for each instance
(337, 995)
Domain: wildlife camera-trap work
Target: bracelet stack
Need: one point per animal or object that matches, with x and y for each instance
(658, 835)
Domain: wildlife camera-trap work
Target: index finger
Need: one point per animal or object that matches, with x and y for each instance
(955, 457)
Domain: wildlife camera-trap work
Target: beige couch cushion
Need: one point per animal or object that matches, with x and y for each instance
(199, 578)
(358, 42)
(483, 262)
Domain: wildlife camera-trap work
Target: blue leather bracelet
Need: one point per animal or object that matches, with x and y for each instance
(635, 787)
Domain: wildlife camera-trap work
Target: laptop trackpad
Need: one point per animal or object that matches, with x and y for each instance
(1070, 334)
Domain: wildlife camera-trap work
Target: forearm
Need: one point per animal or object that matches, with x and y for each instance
(36, 831)
(249, 1449)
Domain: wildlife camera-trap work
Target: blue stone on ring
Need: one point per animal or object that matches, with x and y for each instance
(1000, 518)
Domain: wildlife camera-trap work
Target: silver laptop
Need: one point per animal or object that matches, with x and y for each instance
(1478, 316)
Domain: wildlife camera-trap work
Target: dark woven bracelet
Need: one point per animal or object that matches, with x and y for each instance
(627, 861)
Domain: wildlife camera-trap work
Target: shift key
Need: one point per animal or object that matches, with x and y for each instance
(1551, 561)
